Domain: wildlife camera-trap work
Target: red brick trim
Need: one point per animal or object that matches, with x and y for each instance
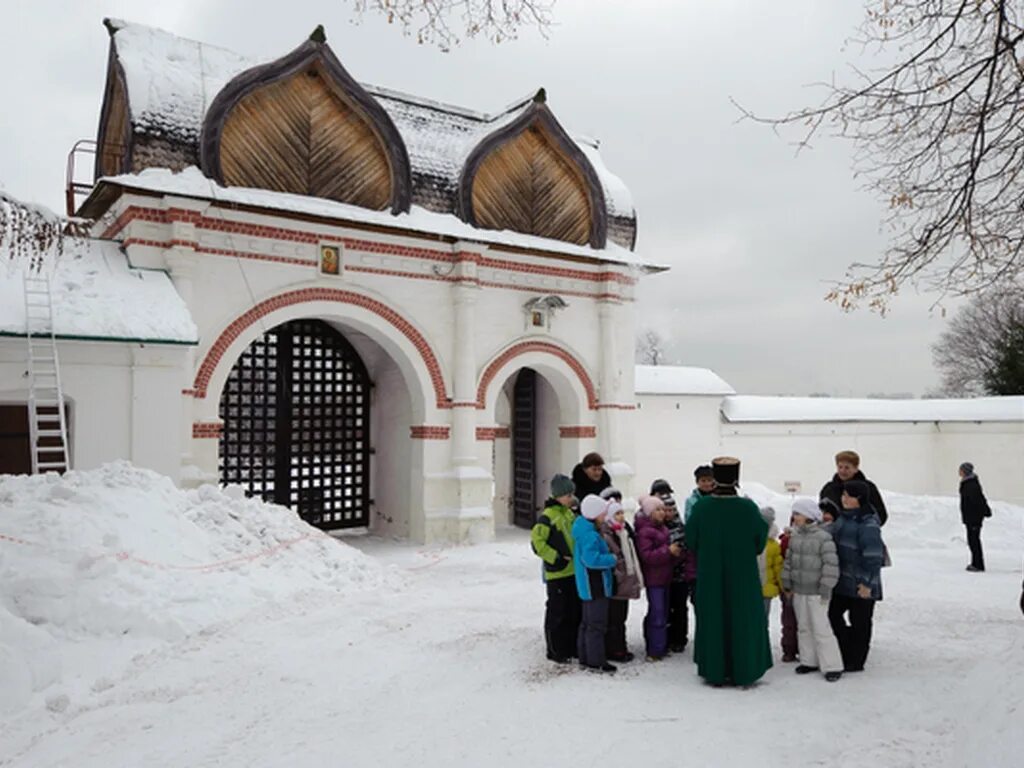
(207, 429)
(235, 329)
(535, 346)
(359, 268)
(429, 432)
(215, 224)
(577, 431)
(492, 433)
(616, 406)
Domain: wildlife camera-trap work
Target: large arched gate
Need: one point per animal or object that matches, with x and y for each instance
(296, 413)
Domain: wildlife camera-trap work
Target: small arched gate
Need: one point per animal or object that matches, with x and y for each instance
(296, 413)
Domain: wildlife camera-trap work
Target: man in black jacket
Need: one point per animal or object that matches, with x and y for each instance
(848, 468)
(590, 477)
(973, 511)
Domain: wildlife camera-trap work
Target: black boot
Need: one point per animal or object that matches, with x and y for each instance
(803, 669)
(833, 676)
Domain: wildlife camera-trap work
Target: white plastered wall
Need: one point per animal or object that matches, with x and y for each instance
(124, 399)
(677, 432)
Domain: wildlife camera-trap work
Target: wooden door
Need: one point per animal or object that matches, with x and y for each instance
(524, 448)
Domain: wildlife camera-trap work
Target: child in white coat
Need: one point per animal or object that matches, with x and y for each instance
(809, 573)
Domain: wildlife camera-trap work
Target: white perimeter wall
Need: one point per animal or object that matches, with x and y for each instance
(675, 433)
(125, 400)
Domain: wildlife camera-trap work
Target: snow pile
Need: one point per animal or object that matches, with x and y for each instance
(920, 522)
(96, 293)
(98, 566)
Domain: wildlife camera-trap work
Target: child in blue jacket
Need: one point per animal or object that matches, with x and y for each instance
(593, 564)
(858, 538)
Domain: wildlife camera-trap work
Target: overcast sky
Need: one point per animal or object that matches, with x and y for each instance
(753, 233)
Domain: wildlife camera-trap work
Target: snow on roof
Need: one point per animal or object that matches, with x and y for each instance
(679, 380)
(96, 294)
(192, 183)
(750, 408)
(171, 82)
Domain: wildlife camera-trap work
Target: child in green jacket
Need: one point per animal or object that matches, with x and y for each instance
(553, 543)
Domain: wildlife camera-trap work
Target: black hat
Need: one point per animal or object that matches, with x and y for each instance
(660, 486)
(726, 470)
(703, 470)
(859, 490)
(827, 505)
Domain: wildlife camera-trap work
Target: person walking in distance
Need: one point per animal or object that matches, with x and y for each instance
(973, 511)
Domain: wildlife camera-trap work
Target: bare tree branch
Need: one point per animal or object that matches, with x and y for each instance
(29, 233)
(939, 136)
(446, 23)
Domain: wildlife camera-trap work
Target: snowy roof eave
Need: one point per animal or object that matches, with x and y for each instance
(764, 409)
(98, 296)
(192, 183)
(679, 380)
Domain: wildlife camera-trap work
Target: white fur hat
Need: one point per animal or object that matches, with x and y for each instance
(808, 508)
(593, 506)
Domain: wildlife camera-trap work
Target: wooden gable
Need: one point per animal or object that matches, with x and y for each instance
(113, 141)
(302, 125)
(530, 177)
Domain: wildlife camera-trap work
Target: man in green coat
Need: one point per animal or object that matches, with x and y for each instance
(727, 533)
(553, 543)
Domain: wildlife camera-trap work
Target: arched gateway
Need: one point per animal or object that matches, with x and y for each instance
(363, 281)
(296, 415)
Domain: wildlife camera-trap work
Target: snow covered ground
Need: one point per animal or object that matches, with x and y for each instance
(145, 626)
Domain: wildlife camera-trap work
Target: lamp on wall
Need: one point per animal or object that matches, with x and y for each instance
(540, 309)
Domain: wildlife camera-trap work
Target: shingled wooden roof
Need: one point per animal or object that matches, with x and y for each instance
(302, 124)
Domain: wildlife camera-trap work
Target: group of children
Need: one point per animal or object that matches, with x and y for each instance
(825, 565)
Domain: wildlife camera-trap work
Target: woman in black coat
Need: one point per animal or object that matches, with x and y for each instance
(973, 510)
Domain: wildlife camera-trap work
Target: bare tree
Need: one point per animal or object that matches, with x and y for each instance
(446, 23)
(650, 348)
(940, 137)
(978, 341)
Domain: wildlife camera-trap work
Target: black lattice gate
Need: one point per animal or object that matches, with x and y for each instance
(296, 412)
(524, 448)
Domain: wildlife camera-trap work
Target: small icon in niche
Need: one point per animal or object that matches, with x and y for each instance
(537, 318)
(330, 259)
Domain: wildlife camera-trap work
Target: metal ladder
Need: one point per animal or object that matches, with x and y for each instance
(46, 417)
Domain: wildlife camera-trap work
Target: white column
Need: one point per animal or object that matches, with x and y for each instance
(615, 388)
(182, 264)
(464, 367)
(607, 385)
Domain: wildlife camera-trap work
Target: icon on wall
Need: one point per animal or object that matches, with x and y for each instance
(330, 259)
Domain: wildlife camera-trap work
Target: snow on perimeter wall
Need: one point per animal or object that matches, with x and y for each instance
(908, 446)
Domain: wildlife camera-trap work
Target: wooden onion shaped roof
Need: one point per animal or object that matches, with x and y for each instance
(302, 124)
(530, 176)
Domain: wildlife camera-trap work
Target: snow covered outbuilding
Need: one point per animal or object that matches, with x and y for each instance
(376, 309)
(788, 443)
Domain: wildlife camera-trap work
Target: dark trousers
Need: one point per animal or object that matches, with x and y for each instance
(590, 639)
(678, 614)
(615, 640)
(562, 618)
(656, 622)
(974, 542)
(789, 641)
(854, 638)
